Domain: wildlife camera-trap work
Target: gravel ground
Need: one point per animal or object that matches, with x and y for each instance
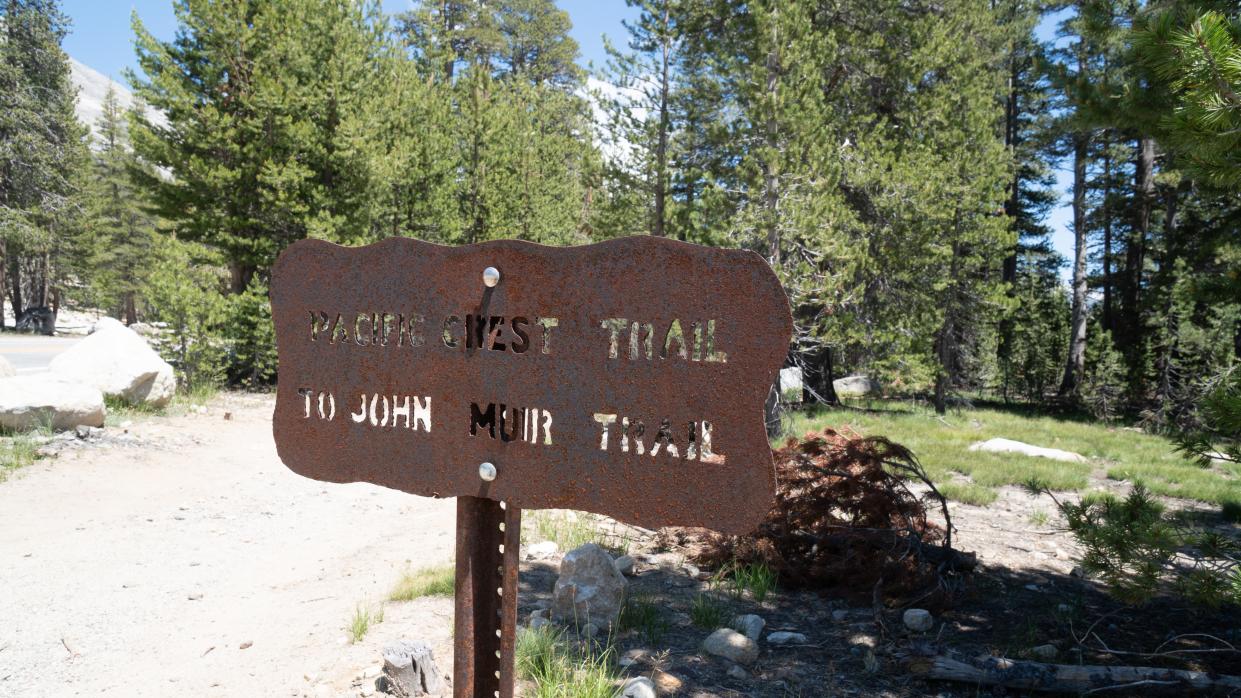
(192, 562)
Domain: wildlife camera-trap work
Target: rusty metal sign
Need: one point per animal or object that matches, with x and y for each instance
(626, 377)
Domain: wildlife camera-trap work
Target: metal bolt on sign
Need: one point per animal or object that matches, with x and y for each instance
(625, 378)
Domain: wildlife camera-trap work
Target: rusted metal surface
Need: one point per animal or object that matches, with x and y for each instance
(705, 331)
(488, 543)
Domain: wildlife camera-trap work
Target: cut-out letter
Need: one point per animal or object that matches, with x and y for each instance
(605, 422)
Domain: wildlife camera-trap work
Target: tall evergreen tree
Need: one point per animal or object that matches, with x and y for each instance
(118, 236)
(267, 137)
(42, 148)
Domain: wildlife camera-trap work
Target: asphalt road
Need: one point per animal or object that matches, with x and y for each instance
(32, 353)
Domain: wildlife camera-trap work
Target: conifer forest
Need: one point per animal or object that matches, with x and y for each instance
(895, 162)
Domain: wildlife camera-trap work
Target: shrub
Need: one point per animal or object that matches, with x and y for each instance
(1138, 549)
(183, 292)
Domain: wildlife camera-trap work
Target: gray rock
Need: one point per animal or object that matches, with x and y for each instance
(855, 385)
(1044, 652)
(539, 622)
(409, 670)
(590, 631)
(589, 589)
(918, 620)
(749, 625)
(786, 638)
(840, 615)
(120, 363)
(624, 565)
(638, 687)
(33, 400)
(732, 645)
(736, 672)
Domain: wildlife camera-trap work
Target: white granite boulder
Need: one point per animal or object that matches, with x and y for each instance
(43, 399)
(855, 385)
(6, 368)
(1025, 449)
(590, 589)
(120, 363)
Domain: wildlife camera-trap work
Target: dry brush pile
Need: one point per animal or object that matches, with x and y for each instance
(850, 517)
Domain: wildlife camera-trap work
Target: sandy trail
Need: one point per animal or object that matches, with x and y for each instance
(143, 571)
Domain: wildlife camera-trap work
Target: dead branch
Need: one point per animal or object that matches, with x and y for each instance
(1066, 678)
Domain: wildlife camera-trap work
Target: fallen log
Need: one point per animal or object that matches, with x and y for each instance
(1068, 678)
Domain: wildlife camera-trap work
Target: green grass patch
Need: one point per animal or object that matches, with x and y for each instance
(646, 615)
(573, 529)
(558, 669)
(17, 451)
(757, 579)
(941, 443)
(967, 493)
(708, 611)
(363, 618)
(428, 581)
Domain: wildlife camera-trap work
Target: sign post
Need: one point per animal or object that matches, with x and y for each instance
(625, 378)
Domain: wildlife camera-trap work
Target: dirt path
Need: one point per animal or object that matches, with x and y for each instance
(145, 570)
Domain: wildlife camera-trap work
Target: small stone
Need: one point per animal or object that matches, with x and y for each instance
(730, 644)
(372, 671)
(538, 613)
(539, 622)
(918, 620)
(735, 671)
(749, 625)
(631, 657)
(589, 631)
(786, 638)
(840, 615)
(1078, 572)
(624, 565)
(638, 687)
(1032, 587)
(195, 596)
(245, 645)
(543, 550)
(667, 684)
(1044, 652)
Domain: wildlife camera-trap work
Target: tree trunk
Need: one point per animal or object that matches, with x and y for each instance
(661, 148)
(1008, 270)
(1077, 328)
(239, 277)
(131, 309)
(4, 248)
(1109, 319)
(45, 286)
(15, 286)
(1135, 251)
(771, 180)
(1071, 678)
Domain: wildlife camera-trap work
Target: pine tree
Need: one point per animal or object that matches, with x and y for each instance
(119, 236)
(42, 149)
(267, 137)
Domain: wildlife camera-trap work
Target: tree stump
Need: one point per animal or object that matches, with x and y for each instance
(410, 670)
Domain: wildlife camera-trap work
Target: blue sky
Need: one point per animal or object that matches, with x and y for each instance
(101, 38)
